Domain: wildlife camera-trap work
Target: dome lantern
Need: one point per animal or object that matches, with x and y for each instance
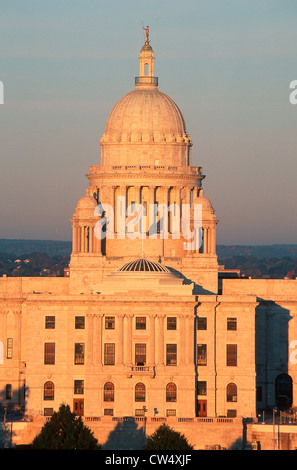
(146, 77)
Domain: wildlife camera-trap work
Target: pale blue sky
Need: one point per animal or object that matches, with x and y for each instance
(228, 65)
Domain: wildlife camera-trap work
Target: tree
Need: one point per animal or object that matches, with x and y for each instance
(65, 430)
(165, 438)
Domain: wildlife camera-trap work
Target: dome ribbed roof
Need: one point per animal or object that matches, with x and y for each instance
(145, 114)
(143, 264)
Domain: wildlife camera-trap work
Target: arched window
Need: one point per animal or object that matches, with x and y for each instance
(171, 392)
(49, 391)
(109, 391)
(146, 69)
(232, 392)
(140, 392)
(283, 391)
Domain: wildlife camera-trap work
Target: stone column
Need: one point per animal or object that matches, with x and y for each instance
(17, 337)
(165, 215)
(182, 341)
(205, 240)
(120, 212)
(97, 339)
(90, 350)
(82, 239)
(161, 339)
(120, 339)
(151, 219)
(190, 339)
(74, 239)
(91, 230)
(128, 336)
(152, 359)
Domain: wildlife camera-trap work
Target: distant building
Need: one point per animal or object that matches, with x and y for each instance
(147, 323)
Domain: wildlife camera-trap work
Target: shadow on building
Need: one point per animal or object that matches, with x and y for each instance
(12, 409)
(126, 436)
(274, 386)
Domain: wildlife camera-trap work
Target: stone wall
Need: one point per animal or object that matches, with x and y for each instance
(203, 433)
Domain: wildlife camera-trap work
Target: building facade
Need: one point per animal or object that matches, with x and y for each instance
(142, 325)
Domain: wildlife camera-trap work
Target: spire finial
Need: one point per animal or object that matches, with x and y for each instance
(147, 31)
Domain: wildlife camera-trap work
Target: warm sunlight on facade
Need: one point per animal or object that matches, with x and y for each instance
(146, 326)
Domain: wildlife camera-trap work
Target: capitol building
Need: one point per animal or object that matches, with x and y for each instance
(146, 326)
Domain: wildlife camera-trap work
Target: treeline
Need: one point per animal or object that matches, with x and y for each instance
(42, 264)
(269, 268)
(33, 264)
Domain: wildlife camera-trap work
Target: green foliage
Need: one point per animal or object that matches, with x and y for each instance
(65, 430)
(165, 438)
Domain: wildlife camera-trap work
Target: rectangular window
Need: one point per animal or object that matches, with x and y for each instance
(139, 412)
(109, 354)
(8, 392)
(201, 354)
(171, 323)
(259, 393)
(109, 323)
(78, 387)
(232, 324)
(9, 348)
(108, 412)
(202, 387)
(231, 413)
(201, 323)
(140, 323)
(170, 412)
(79, 323)
(171, 354)
(49, 353)
(48, 411)
(79, 353)
(140, 354)
(231, 354)
(50, 322)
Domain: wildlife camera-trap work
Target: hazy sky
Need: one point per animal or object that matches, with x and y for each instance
(228, 65)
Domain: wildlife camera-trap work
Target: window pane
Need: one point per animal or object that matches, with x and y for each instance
(202, 388)
(48, 411)
(49, 322)
(8, 393)
(201, 323)
(9, 348)
(49, 353)
(232, 324)
(78, 387)
(140, 323)
(140, 354)
(109, 354)
(48, 391)
(171, 354)
(108, 391)
(109, 323)
(231, 354)
(170, 412)
(201, 354)
(231, 392)
(171, 323)
(170, 392)
(140, 392)
(79, 323)
(79, 353)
